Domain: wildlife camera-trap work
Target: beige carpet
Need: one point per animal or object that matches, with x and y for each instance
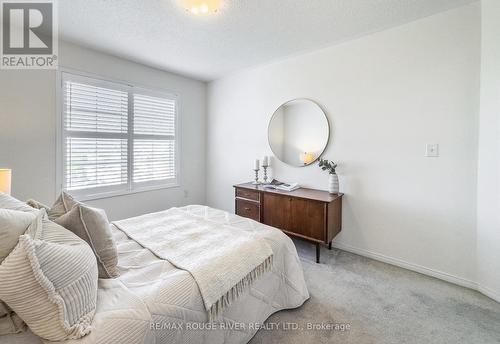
(381, 304)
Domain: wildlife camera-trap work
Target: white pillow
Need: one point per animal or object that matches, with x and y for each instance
(6, 240)
(13, 224)
(50, 281)
(9, 202)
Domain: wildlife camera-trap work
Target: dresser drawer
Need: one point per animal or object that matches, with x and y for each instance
(248, 194)
(248, 209)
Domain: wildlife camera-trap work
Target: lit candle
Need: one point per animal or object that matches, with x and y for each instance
(257, 164)
(265, 161)
(307, 158)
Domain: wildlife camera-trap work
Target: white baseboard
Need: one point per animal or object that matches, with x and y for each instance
(421, 269)
(410, 266)
(488, 292)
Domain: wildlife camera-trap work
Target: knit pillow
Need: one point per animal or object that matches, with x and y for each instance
(92, 225)
(37, 205)
(50, 281)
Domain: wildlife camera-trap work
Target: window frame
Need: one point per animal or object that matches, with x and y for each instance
(130, 187)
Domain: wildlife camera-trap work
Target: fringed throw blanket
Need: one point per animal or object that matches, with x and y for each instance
(222, 259)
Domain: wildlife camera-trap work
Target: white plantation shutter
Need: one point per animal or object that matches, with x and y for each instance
(154, 138)
(95, 109)
(116, 138)
(154, 116)
(95, 162)
(154, 160)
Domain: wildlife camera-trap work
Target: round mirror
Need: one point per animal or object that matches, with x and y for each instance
(298, 132)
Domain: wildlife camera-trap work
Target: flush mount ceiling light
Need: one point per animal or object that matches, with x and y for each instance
(201, 7)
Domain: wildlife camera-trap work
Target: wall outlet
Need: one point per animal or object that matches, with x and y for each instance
(432, 150)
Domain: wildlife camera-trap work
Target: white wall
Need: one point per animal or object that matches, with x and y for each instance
(28, 127)
(386, 95)
(488, 194)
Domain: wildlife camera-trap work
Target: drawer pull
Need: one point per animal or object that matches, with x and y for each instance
(247, 208)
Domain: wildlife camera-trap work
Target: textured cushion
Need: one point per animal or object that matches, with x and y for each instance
(10, 322)
(92, 225)
(13, 224)
(37, 205)
(9, 202)
(4, 310)
(50, 281)
(62, 205)
(9, 319)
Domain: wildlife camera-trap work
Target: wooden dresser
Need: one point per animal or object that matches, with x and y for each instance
(308, 214)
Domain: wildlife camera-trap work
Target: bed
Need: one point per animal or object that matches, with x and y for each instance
(154, 302)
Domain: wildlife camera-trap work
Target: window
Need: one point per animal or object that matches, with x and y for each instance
(116, 138)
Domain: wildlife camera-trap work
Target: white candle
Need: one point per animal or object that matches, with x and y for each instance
(257, 164)
(265, 161)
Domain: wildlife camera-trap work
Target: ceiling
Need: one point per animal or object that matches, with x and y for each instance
(244, 33)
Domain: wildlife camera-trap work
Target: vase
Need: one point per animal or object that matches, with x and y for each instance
(333, 184)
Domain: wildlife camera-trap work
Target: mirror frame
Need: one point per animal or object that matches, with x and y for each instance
(327, 123)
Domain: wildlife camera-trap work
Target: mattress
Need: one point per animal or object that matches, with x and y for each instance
(154, 302)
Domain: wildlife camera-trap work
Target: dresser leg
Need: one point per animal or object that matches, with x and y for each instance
(330, 245)
(317, 252)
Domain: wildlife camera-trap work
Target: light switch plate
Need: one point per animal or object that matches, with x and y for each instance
(432, 150)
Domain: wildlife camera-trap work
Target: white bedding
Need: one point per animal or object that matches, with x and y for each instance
(222, 259)
(154, 302)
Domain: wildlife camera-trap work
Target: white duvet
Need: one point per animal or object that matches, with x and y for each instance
(154, 302)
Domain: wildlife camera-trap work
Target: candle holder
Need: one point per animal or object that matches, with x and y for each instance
(265, 174)
(256, 181)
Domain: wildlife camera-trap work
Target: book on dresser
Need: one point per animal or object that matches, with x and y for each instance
(308, 214)
(277, 185)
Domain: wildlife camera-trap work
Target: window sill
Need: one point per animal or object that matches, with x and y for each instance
(122, 193)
